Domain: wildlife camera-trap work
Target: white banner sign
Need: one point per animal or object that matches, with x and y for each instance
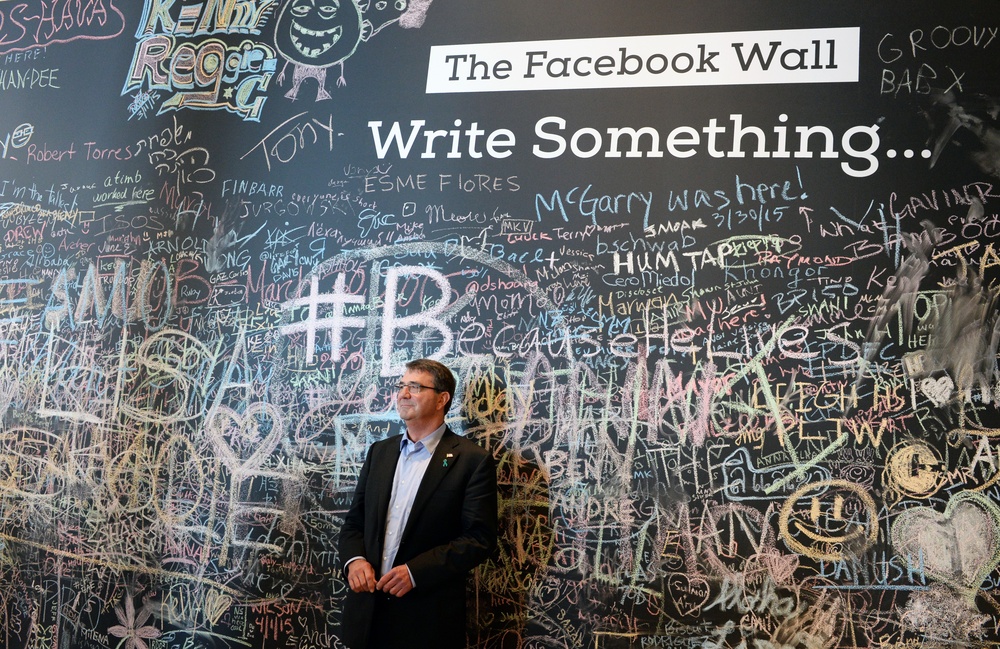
(713, 59)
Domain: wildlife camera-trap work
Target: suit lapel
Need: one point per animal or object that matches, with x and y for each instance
(445, 456)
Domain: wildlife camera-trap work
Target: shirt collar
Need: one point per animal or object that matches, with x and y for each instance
(430, 442)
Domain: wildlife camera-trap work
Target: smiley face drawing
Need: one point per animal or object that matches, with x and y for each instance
(913, 469)
(829, 519)
(313, 35)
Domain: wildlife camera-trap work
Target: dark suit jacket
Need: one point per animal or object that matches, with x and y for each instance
(451, 529)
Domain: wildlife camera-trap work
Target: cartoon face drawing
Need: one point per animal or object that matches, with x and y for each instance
(318, 33)
(829, 520)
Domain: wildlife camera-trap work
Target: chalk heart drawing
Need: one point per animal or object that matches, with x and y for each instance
(245, 440)
(960, 547)
(216, 604)
(688, 593)
(938, 390)
(780, 567)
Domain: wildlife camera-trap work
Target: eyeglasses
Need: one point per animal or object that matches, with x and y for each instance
(414, 388)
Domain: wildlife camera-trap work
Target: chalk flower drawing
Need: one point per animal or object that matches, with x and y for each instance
(131, 629)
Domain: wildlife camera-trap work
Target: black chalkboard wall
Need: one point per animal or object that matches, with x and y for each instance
(718, 280)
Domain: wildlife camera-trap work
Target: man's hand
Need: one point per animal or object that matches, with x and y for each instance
(396, 582)
(361, 576)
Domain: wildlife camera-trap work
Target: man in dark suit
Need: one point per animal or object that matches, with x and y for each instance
(424, 514)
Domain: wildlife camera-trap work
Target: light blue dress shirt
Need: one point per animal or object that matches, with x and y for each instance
(414, 458)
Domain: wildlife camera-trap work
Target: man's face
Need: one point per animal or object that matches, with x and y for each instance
(425, 407)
